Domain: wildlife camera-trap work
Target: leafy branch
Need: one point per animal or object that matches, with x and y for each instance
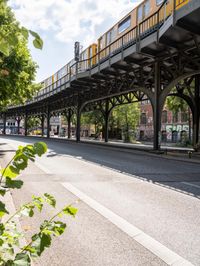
(11, 252)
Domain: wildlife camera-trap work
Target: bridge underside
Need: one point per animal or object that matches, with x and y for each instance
(150, 67)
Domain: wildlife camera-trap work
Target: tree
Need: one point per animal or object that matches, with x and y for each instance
(33, 123)
(126, 117)
(93, 118)
(17, 69)
(176, 104)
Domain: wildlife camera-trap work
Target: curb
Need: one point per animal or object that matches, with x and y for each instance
(147, 150)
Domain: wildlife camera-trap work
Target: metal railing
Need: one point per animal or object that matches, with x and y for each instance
(140, 31)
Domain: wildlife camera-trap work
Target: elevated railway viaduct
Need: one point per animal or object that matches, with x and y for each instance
(161, 58)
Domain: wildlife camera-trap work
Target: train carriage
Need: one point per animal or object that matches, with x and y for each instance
(125, 24)
(63, 75)
(87, 58)
(143, 16)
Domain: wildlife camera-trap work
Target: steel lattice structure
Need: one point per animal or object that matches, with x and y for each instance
(149, 66)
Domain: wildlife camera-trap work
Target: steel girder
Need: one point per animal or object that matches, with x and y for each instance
(152, 71)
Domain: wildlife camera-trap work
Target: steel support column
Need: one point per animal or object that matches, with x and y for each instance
(196, 113)
(106, 118)
(26, 124)
(48, 122)
(69, 115)
(4, 124)
(157, 108)
(18, 125)
(42, 125)
(78, 124)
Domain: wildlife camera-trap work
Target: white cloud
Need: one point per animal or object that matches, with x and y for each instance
(70, 20)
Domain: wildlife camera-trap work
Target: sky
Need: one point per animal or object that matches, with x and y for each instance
(62, 22)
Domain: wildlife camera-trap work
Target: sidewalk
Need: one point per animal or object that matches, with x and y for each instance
(167, 152)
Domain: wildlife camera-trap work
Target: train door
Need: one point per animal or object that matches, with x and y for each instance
(90, 54)
(67, 67)
(110, 40)
(92, 51)
(83, 61)
(101, 47)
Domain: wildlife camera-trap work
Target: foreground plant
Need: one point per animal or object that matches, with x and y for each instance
(12, 252)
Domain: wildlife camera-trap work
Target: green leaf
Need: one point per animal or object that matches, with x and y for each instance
(40, 148)
(2, 191)
(28, 151)
(69, 210)
(25, 32)
(38, 43)
(27, 210)
(38, 202)
(40, 242)
(3, 210)
(59, 228)
(50, 200)
(9, 172)
(4, 48)
(14, 183)
(34, 34)
(22, 259)
(54, 227)
(14, 169)
(8, 262)
(21, 161)
(1, 243)
(2, 228)
(12, 40)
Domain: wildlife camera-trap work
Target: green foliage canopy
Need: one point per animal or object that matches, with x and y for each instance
(176, 104)
(17, 69)
(126, 117)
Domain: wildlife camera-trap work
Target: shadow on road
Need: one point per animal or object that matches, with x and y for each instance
(176, 175)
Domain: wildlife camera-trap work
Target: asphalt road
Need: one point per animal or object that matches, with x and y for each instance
(120, 192)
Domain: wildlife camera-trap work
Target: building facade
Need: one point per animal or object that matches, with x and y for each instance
(175, 127)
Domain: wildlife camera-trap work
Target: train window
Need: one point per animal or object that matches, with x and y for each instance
(83, 56)
(158, 2)
(90, 56)
(124, 24)
(146, 8)
(114, 33)
(140, 13)
(108, 37)
(90, 52)
(100, 44)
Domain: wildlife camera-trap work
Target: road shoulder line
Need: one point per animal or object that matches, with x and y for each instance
(190, 184)
(162, 252)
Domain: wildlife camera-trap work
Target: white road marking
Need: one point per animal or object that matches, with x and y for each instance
(43, 168)
(190, 184)
(162, 252)
(165, 254)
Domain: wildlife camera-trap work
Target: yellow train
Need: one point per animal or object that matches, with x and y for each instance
(143, 18)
